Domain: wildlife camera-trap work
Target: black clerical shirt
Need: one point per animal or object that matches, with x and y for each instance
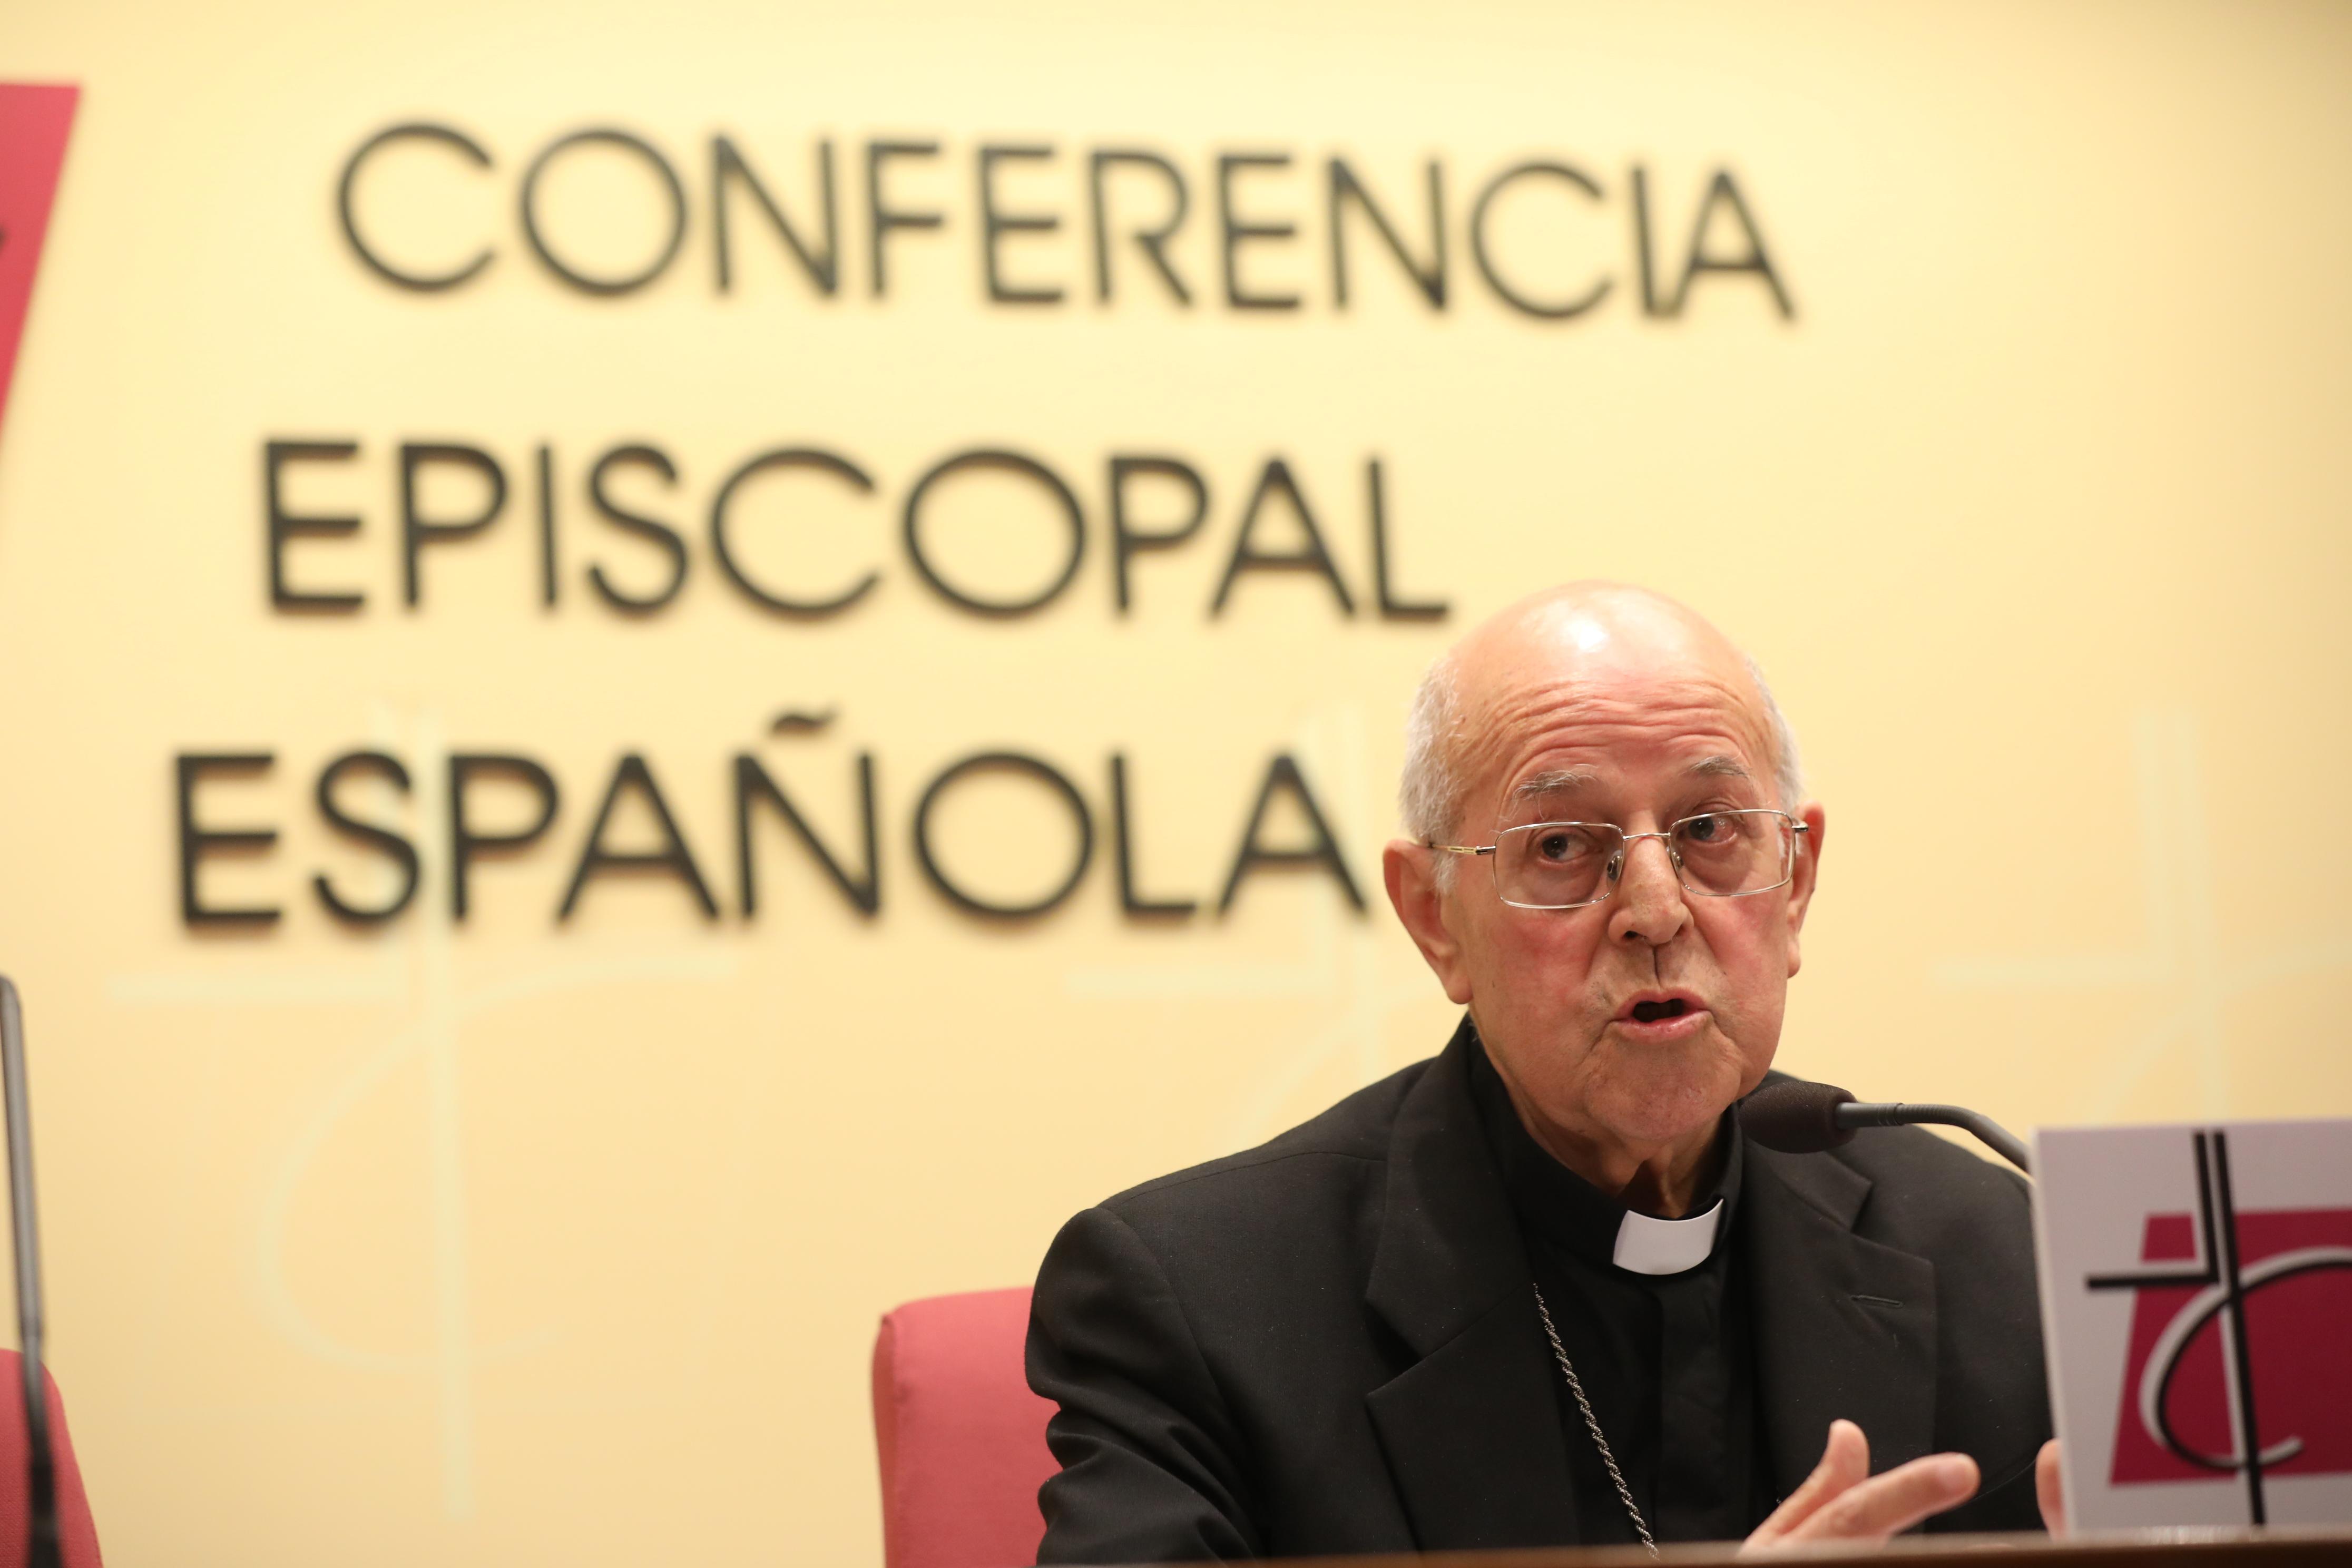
(1665, 1360)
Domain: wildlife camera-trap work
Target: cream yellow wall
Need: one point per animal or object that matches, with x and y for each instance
(517, 1241)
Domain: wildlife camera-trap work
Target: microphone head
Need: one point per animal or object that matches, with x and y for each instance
(1796, 1117)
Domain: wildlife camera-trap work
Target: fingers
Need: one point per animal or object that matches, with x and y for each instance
(1841, 1502)
(1845, 1461)
(2048, 1489)
(1897, 1500)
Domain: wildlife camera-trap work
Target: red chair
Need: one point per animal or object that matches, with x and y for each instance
(77, 1534)
(963, 1439)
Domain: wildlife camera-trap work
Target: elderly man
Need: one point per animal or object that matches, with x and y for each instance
(1539, 1290)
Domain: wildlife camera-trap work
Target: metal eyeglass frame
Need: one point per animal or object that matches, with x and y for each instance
(1625, 849)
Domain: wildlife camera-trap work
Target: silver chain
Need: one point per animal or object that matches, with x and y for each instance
(1593, 1425)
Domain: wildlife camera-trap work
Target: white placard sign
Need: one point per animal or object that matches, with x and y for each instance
(2197, 1285)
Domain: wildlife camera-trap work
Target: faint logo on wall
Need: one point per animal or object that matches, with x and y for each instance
(2183, 984)
(422, 1015)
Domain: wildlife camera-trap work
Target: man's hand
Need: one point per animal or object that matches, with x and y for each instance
(2047, 1488)
(1842, 1500)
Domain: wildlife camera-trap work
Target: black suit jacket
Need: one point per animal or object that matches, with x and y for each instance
(1328, 1344)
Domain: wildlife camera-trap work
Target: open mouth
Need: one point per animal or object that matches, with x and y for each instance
(1660, 1006)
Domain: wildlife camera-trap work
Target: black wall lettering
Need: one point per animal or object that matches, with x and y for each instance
(1153, 189)
(1152, 242)
(282, 526)
(880, 217)
(1722, 194)
(1130, 899)
(1127, 540)
(1004, 761)
(448, 136)
(672, 859)
(995, 223)
(1015, 462)
(1482, 254)
(466, 843)
(650, 529)
(787, 457)
(189, 769)
(392, 846)
(1322, 853)
(1311, 556)
(752, 785)
(1235, 232)
(821, 262)
(547, 557)
(1392, 608)
(1346, 186)
(588, 283)
(416, 531)
(1644, 251)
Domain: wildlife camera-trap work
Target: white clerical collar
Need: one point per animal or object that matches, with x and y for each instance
(1647, 1246)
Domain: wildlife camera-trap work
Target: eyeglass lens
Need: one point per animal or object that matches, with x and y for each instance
(1559, 865)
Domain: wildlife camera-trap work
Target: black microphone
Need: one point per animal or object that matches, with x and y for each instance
(1801, 1118)
(41, 1547)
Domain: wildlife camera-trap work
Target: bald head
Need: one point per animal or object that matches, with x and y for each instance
(1625, 992)
(1615, 643)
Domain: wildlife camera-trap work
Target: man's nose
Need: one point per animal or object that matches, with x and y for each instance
(1648, 902)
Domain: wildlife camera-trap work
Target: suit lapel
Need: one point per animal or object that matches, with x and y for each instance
(1472, 1429)
(1842, 1325)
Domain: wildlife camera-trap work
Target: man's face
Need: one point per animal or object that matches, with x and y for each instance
(1630, 1024)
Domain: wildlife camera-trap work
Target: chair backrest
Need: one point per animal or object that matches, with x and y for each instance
(962, 1440)
(77, 1535)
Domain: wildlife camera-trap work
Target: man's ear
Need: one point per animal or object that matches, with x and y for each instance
(1805, 876)
(1410, 871)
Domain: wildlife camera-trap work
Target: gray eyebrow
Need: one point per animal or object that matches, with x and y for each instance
(1722, 765)
(1553, 781)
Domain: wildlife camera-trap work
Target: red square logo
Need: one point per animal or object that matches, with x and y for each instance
(2239, 1358)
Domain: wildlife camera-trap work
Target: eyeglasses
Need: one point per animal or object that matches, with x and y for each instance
(1568, 864)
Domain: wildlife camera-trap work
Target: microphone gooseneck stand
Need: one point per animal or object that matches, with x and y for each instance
(41, 1548)
(1985, 1130)
(1796, 1117)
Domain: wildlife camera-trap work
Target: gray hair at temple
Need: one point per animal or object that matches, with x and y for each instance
(1429, 793)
